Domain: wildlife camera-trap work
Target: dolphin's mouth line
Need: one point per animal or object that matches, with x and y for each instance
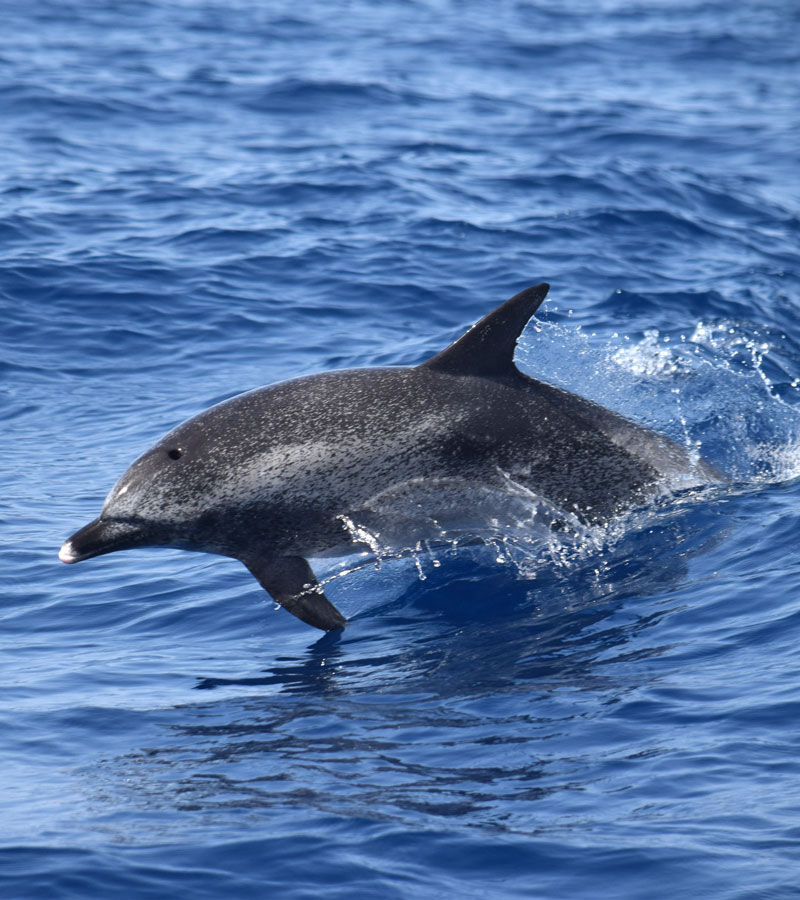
(67, 554)
(99, 537)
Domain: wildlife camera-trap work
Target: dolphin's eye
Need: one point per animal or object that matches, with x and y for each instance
(175, 454)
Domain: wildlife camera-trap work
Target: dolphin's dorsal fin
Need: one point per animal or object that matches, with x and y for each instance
(488, 347)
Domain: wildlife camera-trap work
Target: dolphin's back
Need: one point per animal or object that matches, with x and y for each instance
(330, 442)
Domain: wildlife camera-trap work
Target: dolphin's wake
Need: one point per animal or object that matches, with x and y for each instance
(719, 389)
(710, 389)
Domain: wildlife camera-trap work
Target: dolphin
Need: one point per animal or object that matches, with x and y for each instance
(281, 473)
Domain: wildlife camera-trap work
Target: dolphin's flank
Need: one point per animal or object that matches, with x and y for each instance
(273, 476)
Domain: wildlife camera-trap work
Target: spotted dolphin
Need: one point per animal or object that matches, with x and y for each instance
(279, 474)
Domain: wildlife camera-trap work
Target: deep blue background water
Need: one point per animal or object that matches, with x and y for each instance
(200, 198)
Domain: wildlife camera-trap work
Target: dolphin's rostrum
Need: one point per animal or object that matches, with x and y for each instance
(274, 475)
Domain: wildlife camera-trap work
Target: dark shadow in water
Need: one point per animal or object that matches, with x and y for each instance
(314, 672)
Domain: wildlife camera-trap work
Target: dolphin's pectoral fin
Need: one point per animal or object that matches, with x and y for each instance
(292, 583)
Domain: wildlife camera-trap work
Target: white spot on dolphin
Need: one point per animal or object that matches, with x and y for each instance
(66, 554)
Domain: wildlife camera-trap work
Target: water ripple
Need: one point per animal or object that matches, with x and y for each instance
(200, 198)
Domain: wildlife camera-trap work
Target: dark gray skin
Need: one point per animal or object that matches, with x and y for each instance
(273, 476)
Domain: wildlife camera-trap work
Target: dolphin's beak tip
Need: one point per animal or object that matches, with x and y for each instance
(66, 554)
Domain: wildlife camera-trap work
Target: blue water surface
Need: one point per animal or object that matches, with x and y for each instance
(197, 198)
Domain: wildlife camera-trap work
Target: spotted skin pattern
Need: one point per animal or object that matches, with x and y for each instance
(273, 476)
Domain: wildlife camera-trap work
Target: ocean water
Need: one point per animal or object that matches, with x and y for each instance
(198, 198)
